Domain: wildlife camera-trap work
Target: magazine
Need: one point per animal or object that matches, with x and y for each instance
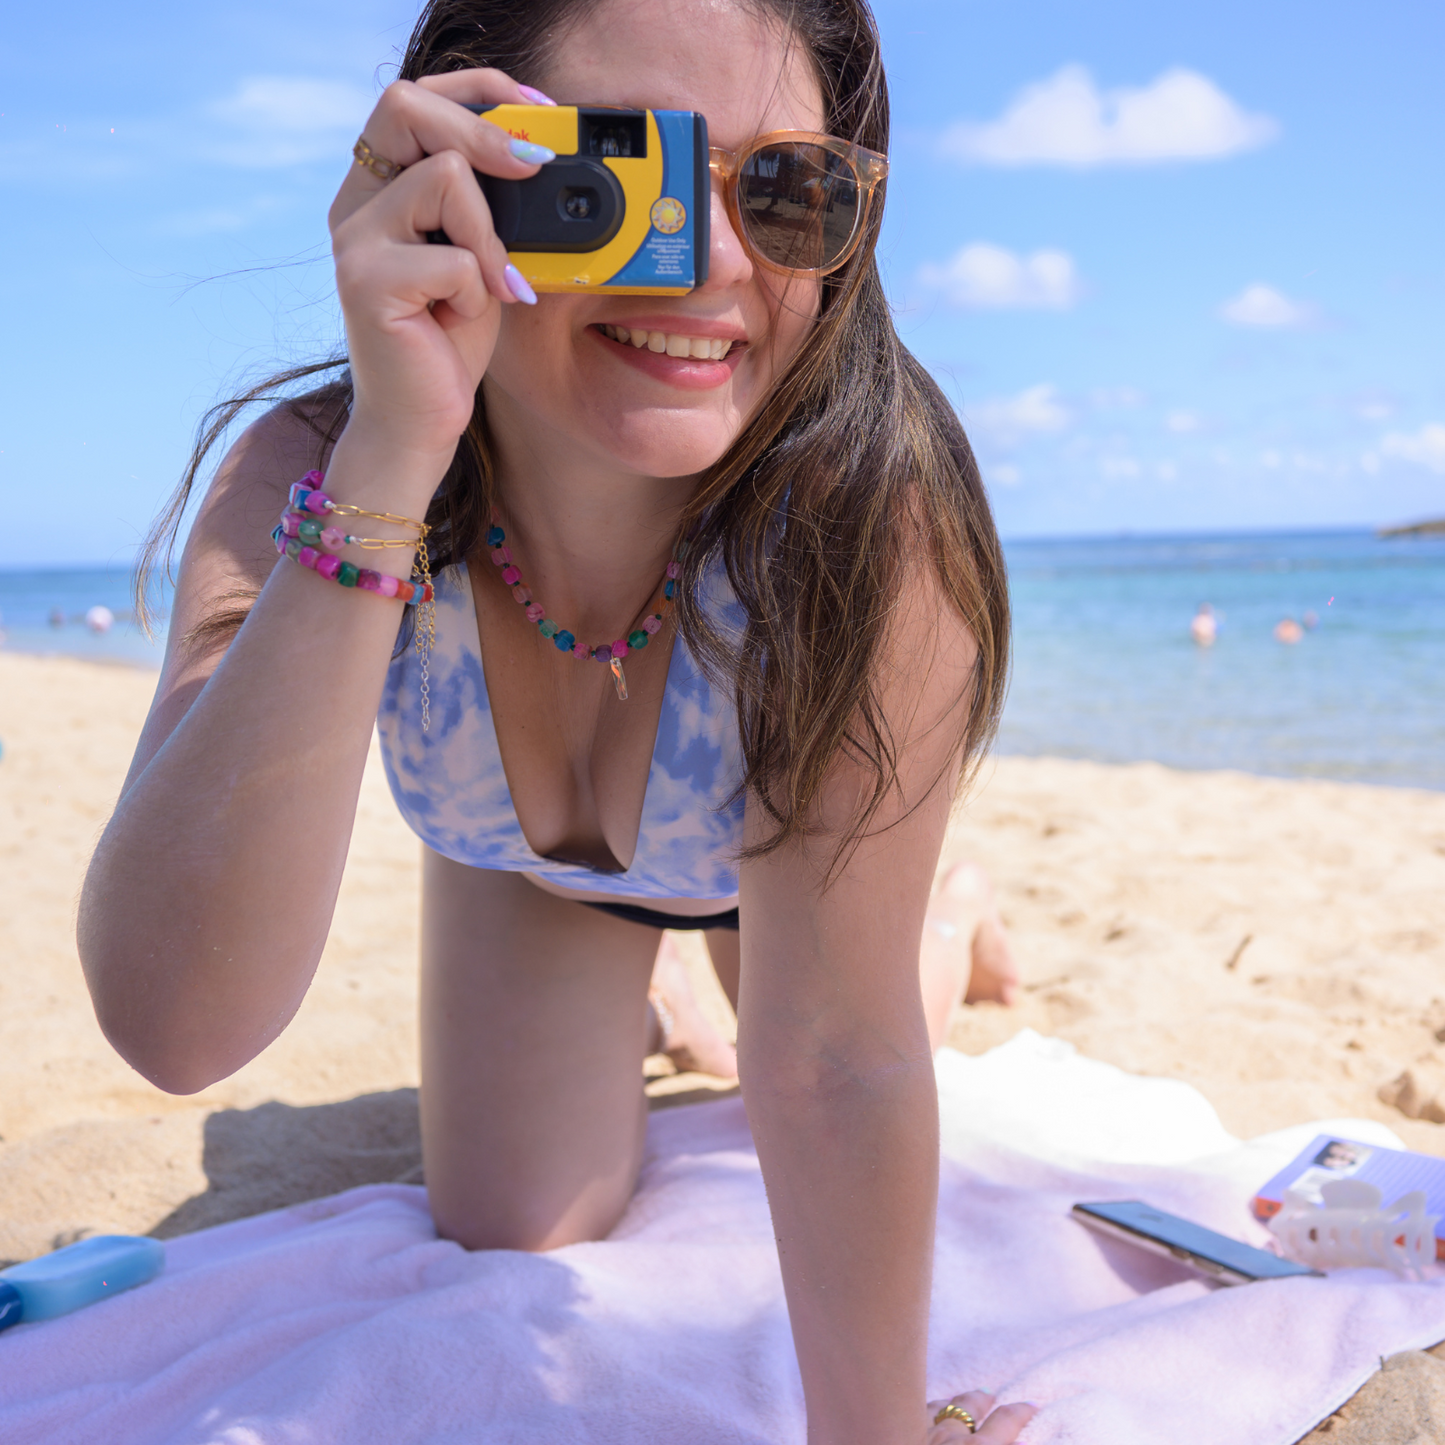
(1392, 1171)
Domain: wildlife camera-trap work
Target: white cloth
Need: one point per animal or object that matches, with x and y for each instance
(348, 1320)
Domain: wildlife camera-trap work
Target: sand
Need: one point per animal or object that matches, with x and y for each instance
(1277, 944)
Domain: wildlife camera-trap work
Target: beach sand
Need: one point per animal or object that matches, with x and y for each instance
(1279, 945)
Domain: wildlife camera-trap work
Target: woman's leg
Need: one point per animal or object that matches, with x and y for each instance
(684, 1032)
(964, 953)
(534, 1024)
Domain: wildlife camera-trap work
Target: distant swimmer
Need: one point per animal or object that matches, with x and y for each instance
(100, 618)
(1205, 626)
(1288, 630)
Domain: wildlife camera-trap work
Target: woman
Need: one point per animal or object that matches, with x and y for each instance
(842, 612)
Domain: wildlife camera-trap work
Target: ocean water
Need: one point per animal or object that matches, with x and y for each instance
(1104, 666)
(44, 611)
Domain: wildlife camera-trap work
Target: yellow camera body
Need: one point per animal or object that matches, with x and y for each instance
(624, 208)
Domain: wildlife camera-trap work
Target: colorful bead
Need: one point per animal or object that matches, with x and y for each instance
(328, 566)
(292, 548)
(388, 585)
(367, 580)
(561, 638)
(290, 524)
(405, 590)
(332, 538)
(348, 573)
(307, 556)
(317, 503)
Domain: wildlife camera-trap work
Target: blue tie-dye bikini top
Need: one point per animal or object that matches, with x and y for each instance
(452, 790)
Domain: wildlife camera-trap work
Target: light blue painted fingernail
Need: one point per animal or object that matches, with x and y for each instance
(531, 152)
(517, 285)
(537, 97)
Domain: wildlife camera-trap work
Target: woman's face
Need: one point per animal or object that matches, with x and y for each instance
(555, 372)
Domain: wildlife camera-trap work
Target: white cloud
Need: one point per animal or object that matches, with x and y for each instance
(1259, 305)
(1007, 418)
(1118, 467)
(275, 120)
(986, 277)
(1182, 421)
(1067, 120)
(1109, 398)
(1425, 448)
(1005, 474)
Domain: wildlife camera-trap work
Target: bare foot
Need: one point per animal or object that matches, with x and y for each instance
(684, 1032)
(963, 912)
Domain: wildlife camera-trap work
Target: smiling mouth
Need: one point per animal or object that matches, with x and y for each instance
(667, 343)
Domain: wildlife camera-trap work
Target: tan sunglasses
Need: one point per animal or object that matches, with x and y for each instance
(798, 199)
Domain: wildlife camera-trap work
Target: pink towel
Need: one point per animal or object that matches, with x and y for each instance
(347, 1320)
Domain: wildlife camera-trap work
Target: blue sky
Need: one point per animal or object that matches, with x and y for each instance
(1181, 268)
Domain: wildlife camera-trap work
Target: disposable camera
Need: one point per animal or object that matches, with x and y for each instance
(623, 209)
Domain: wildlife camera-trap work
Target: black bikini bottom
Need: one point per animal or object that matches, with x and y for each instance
(655, 918)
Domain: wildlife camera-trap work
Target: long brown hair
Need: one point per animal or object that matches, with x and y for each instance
(854, 471)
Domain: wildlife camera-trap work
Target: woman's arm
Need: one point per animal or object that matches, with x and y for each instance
(211, 891)
(835, 1061)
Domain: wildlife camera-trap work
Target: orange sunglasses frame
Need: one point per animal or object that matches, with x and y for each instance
(868, 169)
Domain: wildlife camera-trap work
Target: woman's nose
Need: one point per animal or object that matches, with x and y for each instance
(728, 260)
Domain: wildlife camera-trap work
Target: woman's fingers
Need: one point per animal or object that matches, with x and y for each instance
(1005, 1423)
(424, 118)
(995, 1426)
(437, 194)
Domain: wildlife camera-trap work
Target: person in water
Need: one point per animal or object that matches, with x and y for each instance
(707, 628)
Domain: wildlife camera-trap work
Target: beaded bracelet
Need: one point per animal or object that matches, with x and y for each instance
(299, 528)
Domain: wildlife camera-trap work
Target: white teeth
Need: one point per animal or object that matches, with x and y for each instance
(699, 348)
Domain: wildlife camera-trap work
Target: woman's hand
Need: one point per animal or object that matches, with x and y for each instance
(995, 1427)
(421, 320)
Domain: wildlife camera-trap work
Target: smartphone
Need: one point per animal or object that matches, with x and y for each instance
(1223, 1259)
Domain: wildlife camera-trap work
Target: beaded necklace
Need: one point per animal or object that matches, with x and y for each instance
(611, 653)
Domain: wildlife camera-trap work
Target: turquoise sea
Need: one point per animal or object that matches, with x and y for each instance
(1105, 667)
(1104, 664)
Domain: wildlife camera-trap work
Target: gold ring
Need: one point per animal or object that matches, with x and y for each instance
(957, 1412)
(379, 166)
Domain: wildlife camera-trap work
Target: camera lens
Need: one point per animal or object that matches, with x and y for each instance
(579, 205)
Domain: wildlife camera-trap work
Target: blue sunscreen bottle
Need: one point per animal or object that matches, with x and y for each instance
(77, 1275)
